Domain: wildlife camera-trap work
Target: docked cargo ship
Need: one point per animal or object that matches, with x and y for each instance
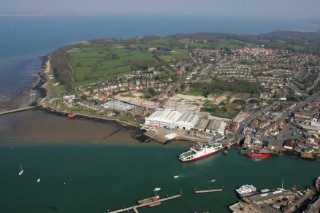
(200, 150)
(246, 190)
(258, 155)
(317, 184)
(149, 200)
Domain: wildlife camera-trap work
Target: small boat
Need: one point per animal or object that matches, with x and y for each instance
(176, 176)
(317, 184)
(156, 189)
(21, 170)
(71, 115)
(212, 181)
(258, 155)
(149, 200)
(38, 180)
(246, 190)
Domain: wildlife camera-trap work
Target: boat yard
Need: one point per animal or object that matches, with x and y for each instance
(279, 200)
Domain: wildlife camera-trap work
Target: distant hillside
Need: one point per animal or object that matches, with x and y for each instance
(307, 42)
(97, 60)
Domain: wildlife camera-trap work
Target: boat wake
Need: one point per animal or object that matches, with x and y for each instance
(212, 181)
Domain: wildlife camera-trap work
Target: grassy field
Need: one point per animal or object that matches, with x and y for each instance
(100, 62)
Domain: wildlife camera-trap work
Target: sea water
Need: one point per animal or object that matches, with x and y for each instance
(98, 177)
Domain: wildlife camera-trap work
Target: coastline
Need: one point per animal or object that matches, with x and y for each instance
(38, 127)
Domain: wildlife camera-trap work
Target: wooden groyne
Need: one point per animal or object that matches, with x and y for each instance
(135, 208)
(17, 110)
(207, 191)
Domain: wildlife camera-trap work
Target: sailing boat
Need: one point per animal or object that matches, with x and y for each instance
(21, 170)
(156, 189)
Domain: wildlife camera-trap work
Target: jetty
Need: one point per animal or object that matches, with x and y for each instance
(17, 110)
(207, 191)
(151, 204)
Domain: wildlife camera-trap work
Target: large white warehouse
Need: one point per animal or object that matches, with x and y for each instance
(187, 121)
(163, 118)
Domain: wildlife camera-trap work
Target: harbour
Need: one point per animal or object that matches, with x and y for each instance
(95, 175)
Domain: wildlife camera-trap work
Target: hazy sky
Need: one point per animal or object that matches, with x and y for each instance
(289, 9)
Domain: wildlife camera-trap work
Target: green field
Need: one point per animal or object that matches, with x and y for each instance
(100, 62)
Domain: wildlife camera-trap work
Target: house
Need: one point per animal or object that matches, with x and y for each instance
(273, 145)
(289, 144)
(162, 96)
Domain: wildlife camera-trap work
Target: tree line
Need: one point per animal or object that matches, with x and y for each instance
(219, 86)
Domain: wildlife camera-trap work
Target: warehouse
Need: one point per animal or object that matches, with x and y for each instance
(201, 124)
(163, 118)
(187, 121)
(216, 126)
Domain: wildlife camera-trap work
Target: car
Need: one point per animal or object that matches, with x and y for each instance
(275, 206)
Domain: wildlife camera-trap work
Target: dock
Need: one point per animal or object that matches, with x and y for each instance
(207, 191)
(17, 110)
(151, 204)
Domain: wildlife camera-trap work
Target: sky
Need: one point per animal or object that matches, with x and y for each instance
(273, 9)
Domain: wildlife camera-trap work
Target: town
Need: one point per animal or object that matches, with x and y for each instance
(258, 97)
(263, 99)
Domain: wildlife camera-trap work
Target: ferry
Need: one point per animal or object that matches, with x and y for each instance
(200, 150)
(317, 184)
(246, 190)
(149, 200)
(258, 155)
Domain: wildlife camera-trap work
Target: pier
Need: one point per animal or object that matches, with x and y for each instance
(17, 110)
(208, 191)
(155, 203)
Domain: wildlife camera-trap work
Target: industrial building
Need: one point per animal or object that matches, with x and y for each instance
(187, 121)
(216, 126)
(163, 118)
(201, 124)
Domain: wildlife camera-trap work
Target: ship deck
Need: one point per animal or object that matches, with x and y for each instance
(187, 154)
